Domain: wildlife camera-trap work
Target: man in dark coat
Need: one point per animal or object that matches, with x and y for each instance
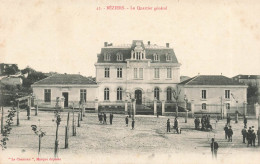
(253, 138)
(105, 118)
(230, 133)
(249, 137)
(176, 123)
(168, 125)
(126, 120)
(244, 134)
(111, 118)
(133, 124)
(214, 148)
(226, 131)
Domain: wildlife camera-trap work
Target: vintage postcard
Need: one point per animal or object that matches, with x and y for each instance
(129, 81)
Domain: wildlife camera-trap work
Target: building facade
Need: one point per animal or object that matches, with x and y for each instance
(141, 71)
(71, 88)
(213, 93)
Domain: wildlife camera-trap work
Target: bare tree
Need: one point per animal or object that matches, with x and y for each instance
(176, 95)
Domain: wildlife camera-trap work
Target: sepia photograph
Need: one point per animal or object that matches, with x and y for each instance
(129, 81)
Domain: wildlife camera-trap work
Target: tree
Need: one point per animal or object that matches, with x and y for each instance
(11, 70)
(252, 94)
(176, 96)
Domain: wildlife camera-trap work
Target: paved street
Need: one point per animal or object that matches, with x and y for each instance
(102, 143)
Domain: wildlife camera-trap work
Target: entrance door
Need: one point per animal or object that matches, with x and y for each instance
(138, 96)
(66, 100)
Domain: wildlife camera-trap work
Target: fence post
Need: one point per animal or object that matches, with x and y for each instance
(78, 119)
(256, 110)
(18, 112)
(66, 137)
(96, 105)
(245, 108)
(2, 121)
(163, 107)
(155, 107)
(125, 106)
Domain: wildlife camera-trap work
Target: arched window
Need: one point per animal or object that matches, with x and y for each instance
(169, 94)
(107, 57)
(204, 106)
(119, 56)
(106, 94)
(119, 93)
(157, 93)
(156, 57)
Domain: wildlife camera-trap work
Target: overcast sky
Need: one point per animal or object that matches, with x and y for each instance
(66, 35)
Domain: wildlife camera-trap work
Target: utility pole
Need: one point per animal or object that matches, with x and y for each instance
(221, 105)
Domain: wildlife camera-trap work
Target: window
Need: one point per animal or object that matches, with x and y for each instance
(156, 73)
(227, 94)
(156, 57)
(169, 73)
(204, 106)
(204, 94)
(140, 73)
(169, 94)
(119, 72)
(106, 94)
(168, 57)
(107, 72)
(107, 57)
(135, 73)
(83, 95)
(119, 57)
(47, 95)
(119, 93)
(227, 106)
(157, 93)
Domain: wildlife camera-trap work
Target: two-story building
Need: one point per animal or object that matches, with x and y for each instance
(141, 71)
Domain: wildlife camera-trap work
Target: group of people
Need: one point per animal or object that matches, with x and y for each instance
(228, 132)
(205, 122)
(249, 135)
(102, 117)
(176, 125)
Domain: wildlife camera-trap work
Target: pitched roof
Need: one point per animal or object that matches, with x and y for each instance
(125, 50)
(247, 76)
(210, 80)
(66, 79)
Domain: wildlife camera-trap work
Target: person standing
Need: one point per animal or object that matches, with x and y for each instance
(245, 121)
(228, 120)
(126, 120)
(168, 125)
(176, 123)
(133, 123)
(105, 118)
(244, 134)
(253, 137)
(214, 148)
(226, 131)
(111, 118)
(249, 137)
(230, 133)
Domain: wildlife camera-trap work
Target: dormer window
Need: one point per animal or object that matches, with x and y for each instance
(107, 57)
(119, 56)
(168, 57)
(156, 57)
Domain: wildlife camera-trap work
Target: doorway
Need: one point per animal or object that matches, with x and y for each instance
(138, 96)
(66, 99)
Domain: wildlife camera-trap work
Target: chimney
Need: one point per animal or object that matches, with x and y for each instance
(149, 43)
(105, 44)
(167, 45)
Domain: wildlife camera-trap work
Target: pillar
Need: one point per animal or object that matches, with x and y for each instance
(134, 107)
(224, 111)
(96, 105)
(185, 108)
(245, 108)
(126, 107)
(155, 107)
(192, 107)
(163, 107)
(256, 110)
(62, 102)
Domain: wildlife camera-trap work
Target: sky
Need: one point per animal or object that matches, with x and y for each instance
(65, 36)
